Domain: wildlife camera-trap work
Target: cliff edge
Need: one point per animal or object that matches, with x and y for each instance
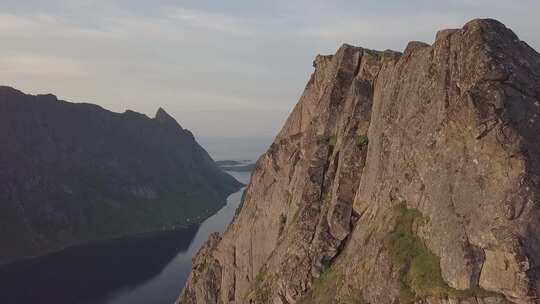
(397, 178)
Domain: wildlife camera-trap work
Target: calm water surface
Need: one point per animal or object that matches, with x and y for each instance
(143, 269)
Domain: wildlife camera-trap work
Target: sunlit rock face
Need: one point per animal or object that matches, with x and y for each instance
(72, 172)
(397, 178)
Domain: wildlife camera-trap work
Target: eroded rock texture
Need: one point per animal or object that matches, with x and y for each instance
(447, 133)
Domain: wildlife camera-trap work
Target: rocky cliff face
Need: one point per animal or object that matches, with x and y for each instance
(398, 178)
(76, 172)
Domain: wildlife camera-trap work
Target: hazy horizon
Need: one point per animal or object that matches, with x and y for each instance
(221, 69)
(235, 148)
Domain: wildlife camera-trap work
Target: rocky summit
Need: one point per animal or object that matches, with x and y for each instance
(407, 177)
(72, 173)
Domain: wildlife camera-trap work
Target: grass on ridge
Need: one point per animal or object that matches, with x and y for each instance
(420, 270)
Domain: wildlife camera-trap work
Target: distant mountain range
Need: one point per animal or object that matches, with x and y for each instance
(75, 172)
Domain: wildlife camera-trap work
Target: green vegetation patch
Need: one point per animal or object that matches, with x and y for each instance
(241, 205)
(263, 289)
(325, 288)
(361, 140)
(332, 141)
(282, 223)
(261, 275)
(357, 299)
(420, 270)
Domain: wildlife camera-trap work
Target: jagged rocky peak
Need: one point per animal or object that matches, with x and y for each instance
(164, 117)
(407, 177)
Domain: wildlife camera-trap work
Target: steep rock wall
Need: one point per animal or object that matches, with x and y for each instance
(433, 151)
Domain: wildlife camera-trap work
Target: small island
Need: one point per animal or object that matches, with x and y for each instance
(236, 165)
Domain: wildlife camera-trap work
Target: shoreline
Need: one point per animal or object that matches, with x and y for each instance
(82, 244)
(137, 235)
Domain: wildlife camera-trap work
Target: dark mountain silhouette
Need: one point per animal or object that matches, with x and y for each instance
(72, 172)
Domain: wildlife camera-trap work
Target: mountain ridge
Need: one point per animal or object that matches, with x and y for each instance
(398, 178)
(72, 172)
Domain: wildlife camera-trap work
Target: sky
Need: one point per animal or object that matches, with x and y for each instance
(221, 68)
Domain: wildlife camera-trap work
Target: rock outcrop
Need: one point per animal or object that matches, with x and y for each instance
(398, 178)
(77, 172)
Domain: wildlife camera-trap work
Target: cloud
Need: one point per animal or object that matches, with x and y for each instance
(391, 26)
(40, 65)
(232, 57)
(211, 21)
(35, 25)
(381, 31)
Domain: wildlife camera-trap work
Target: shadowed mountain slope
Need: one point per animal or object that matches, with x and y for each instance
(74, 172)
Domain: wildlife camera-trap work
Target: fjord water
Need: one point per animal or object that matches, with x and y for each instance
(146, 269)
